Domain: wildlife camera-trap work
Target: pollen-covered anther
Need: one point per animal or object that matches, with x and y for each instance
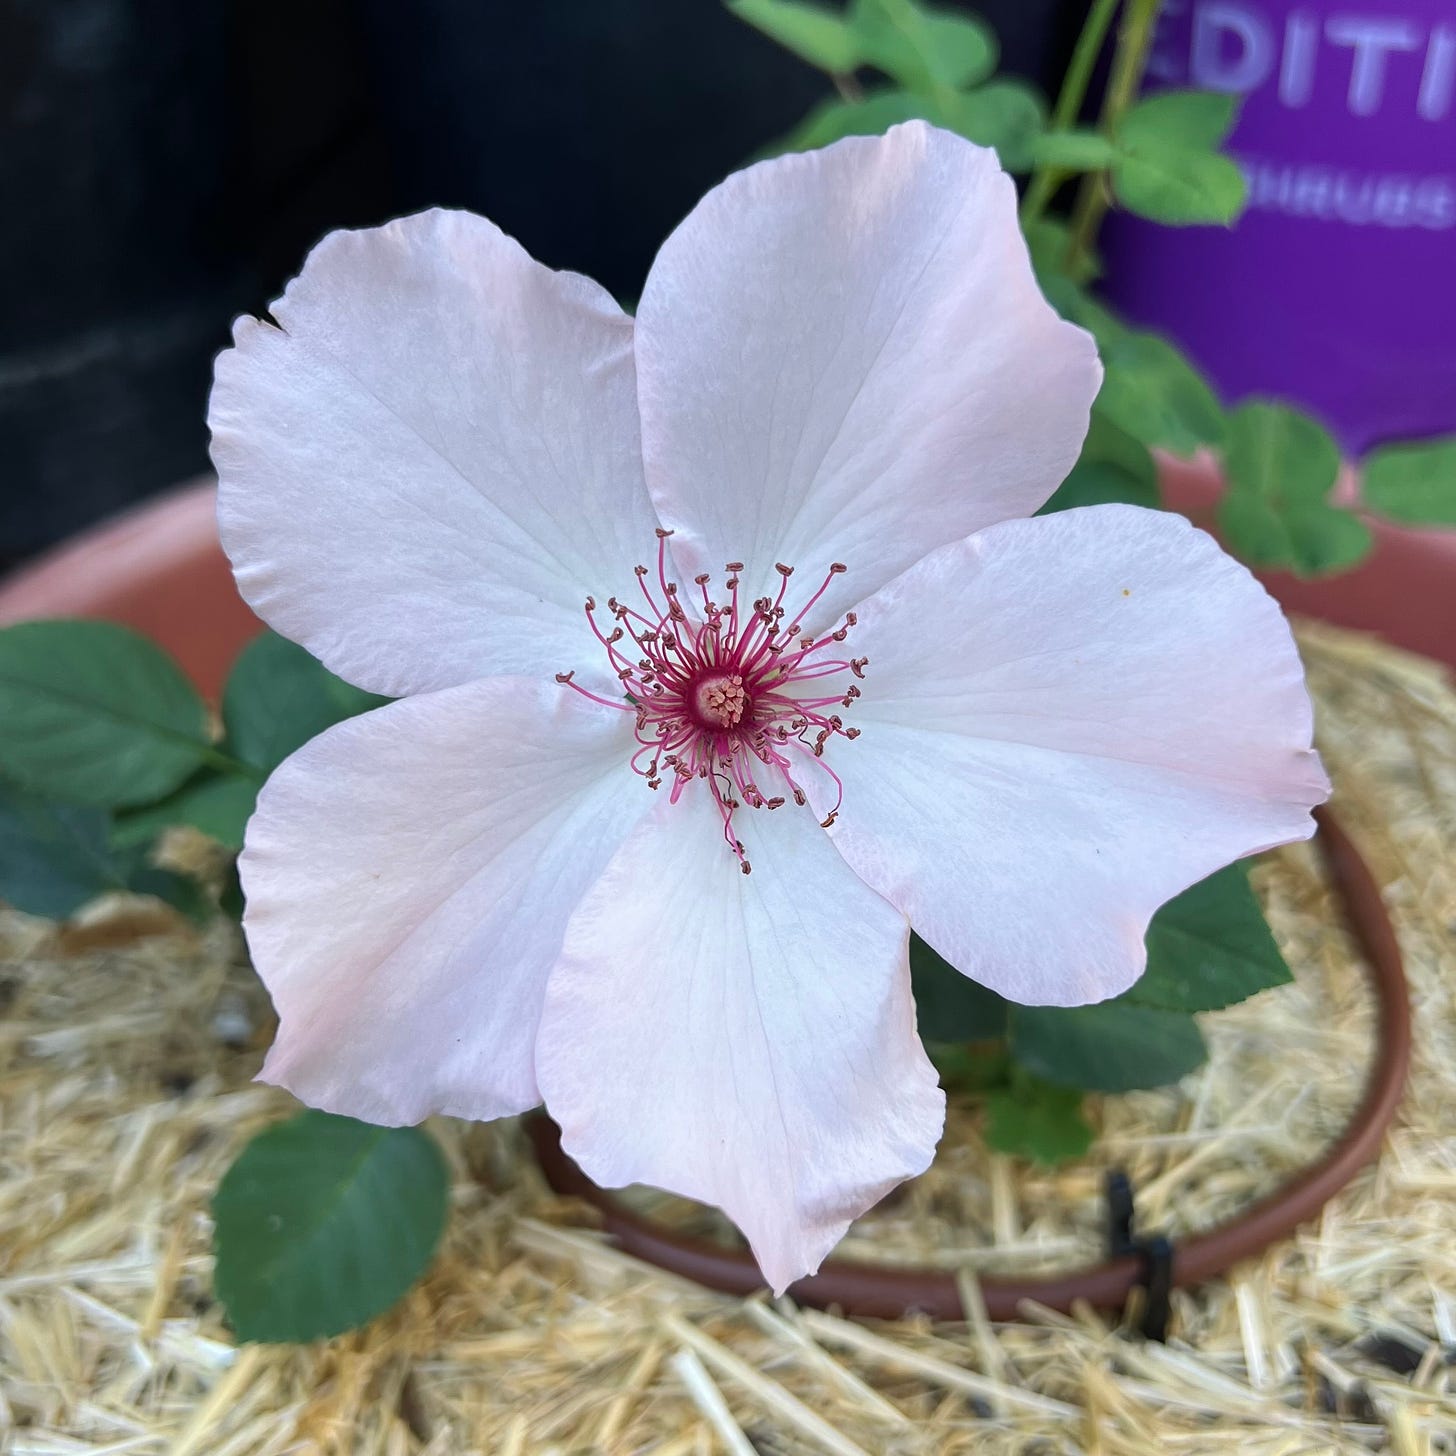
(733, 693)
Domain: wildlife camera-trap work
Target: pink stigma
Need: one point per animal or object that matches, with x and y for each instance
(734, 695)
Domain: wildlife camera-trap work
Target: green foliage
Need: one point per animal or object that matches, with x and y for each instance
(1167, 164)
(821, 37)
(98, 718)
(181, 892)
(1281, 468)
(55, 858)
(937, 60)
(1057, 264)
(1197, 121)
(1414, 484)
(1113, 467)
(1033, 1119)
(1210, 947)
(921, 48)
(278, 697)
(215, 803)
(1114, 1046)
(323, 1223)
(1078, 150)
(834, 119)
(1169, 186)
(95, 714)
(1005, 114)
(1207, 948)
(1152, 392)
(950, 1007)
(971, 1068)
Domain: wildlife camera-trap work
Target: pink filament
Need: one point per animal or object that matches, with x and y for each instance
(717, 698)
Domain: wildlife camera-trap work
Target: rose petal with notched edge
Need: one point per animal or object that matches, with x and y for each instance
(433, 459)
(746, 1040)
(409, 875)
(843, 355)
(1067, 721)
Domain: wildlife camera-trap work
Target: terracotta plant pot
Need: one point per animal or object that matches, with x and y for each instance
(158, 568)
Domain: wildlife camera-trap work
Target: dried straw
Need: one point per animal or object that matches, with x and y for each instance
(127, 1044)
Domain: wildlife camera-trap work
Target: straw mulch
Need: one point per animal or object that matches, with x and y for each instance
(127, 1046)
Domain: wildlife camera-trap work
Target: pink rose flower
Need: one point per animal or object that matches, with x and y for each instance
(650, 852)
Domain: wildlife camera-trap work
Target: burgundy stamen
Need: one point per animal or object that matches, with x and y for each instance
(717, 699)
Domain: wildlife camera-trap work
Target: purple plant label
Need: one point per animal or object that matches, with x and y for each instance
(1337, 288)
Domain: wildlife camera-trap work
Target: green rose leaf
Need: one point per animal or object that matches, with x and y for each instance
(1112, 467)
(1115, 1046)
(834, 119)
(1180, 188)
(1210, 947)
(181, 892)
(921, 48)
(1049, 241)
(1413, 484)
(1034, 1119)
(1281, 468)
(95, 714)
(815, 35)
(950, 1007)
(1167, 166)
(1007, 115)
(53, 857)
(1151, 391)
(277, 697)
(216, 804)
(1195, 120)
(970, 1068)
(323, 1223)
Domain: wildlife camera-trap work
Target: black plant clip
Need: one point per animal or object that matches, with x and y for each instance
(1154, 1250)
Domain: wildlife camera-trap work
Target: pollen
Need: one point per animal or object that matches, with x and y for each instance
(719, 700)
(732, 693)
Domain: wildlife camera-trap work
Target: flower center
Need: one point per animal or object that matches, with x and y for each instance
(733, 694)
(719, 700)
